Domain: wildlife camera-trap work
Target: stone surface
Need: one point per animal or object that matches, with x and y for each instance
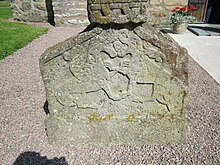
(117, 11)
(29, 10)
(70, 12)
(123, 84)
(74, 12)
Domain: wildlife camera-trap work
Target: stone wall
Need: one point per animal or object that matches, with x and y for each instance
(160, 10)
(62, 11)
(74, 11)
(30, 11)
(70, 12)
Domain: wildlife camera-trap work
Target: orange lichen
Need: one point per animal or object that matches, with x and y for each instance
(97, 117)
(131, 117)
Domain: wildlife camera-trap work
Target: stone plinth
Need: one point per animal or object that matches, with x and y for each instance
(116, 84)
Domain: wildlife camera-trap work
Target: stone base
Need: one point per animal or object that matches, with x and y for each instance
(132, 130)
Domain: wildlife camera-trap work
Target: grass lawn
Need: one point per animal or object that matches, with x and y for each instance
(4, 3)
(5, 11)
(13, 35)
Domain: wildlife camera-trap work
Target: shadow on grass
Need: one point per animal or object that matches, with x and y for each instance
(34, 158)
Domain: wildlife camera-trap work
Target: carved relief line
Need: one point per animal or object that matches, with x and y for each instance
(153, 88)
(75, 104)
(167, 107)
(111, 94)
(60, 48)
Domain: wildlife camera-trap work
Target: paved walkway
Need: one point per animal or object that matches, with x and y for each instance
(205, 50)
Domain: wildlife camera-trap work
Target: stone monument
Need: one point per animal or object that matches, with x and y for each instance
(119, 82)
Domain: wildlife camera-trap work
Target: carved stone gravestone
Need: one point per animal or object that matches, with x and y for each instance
(119, 82)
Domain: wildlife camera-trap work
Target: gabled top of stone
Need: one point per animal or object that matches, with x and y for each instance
(117, 11)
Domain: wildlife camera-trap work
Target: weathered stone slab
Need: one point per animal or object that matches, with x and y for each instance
(118, 82)
(124, 85)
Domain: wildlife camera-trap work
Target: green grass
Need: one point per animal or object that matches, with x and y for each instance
(4, 3)
(13, 35)
(5, 13)
(5, 10)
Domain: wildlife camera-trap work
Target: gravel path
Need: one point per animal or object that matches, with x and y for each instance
(23, 140)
